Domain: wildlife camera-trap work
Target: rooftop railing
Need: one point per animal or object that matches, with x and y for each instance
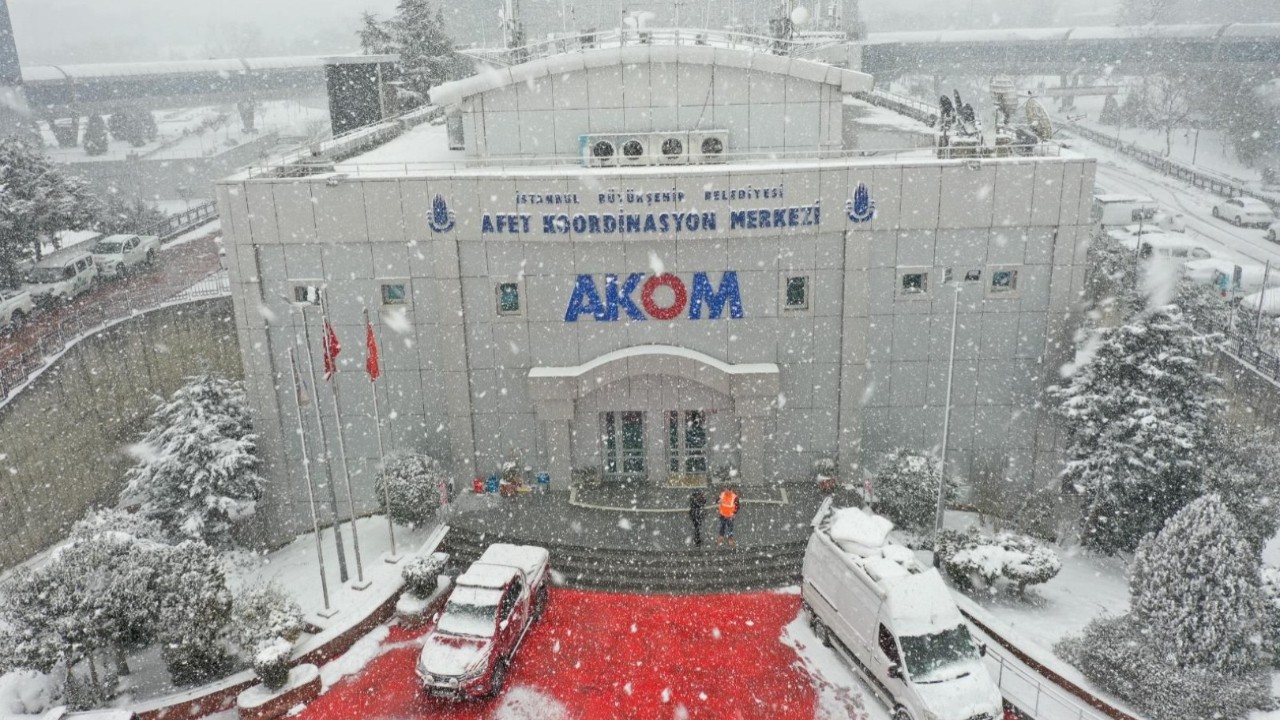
(799, 45)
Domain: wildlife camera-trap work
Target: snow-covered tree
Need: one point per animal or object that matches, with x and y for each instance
(194, 609)
(1136, 414)
(1168, 105)
(198, 468)
(264, 614)
(1196, 588)
(411, 484)
(96, 141)
(1111, 276)
(1270, 577)
(1110, 114)
(36, 201)
(906, 489)
(121, 216)
(375, 36)
(426, 52)
(1245, 473)
(1016, 561)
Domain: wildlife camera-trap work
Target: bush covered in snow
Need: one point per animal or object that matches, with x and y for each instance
(1271, 597)
(271, 662)
(906, 489)
(194, 609)
(411, 484)
(972, 559)
(197, 472)
(26, 692)
(1116, 654)
(421, 573)
(262, 614)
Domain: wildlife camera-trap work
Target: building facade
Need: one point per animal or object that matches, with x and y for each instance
(654, 315)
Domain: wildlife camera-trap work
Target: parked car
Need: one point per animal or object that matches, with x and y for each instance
(15, 307)
(61, 277)
(117, 255)
(1244, 211)
(486, 618)
(893, 621)
(1273, 232)
(1170, 221)
(1231, 275)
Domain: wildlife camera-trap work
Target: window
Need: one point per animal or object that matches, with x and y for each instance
(797, 293)
(914, 283)
(509, 298)
(393, 294)
(888, 646)
(973, 276)
(1004, 281)
(307, 294)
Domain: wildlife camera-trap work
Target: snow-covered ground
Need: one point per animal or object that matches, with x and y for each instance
(841, 693)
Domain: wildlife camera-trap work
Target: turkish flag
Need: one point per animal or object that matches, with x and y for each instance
(331, 350)
(371, 362)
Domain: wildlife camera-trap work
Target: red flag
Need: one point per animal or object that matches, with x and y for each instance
(331, 350)
(371, 362)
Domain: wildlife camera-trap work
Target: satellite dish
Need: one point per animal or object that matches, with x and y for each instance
(1038, 119)
(800, 16)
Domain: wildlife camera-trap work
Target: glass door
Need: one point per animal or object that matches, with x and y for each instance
(623, 441)
(687, 442)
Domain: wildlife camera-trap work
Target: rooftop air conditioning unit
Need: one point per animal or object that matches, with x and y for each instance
(599, 150)
(669, 148)
(634, 150)
(708, 146)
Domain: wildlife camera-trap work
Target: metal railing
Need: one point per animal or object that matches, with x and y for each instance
(796, 46)
(183, 222)
(55, 338)
(901, 104)
(1197, 178)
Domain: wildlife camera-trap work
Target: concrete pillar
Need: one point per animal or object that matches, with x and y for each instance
(751, 439)
(554, 418)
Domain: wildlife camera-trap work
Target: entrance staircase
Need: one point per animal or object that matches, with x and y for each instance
(689, 570)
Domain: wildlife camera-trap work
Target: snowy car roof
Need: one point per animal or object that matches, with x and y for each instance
(485, 575)
(529, 558)
(919, 604)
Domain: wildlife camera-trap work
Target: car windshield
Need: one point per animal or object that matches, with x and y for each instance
(931, 658)
(106, 248)
(464, 618)
(45, 275)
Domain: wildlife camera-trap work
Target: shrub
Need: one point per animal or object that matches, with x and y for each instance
(1115, 653)
(1008, 558)
(271, 663)
(824, 467)
(421, 572)
(265, 613)
(1271, 618)
(411, 485)
(906, 489)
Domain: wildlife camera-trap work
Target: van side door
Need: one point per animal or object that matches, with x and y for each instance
(887, 657)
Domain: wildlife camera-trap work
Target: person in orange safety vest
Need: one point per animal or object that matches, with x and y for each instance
(728, 510)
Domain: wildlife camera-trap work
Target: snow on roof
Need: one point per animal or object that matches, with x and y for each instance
(1121, 197)
(920, 603)
(1270, 302)
(643, 350)
(1098, 32)
(852, 525)
(485, 575)
(425, 143)
(529, 558)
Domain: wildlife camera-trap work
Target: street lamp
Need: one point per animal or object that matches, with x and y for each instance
(946, 426)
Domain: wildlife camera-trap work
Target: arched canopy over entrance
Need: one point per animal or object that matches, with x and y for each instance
(752, 388)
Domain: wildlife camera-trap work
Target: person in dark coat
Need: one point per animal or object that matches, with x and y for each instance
(697, 506)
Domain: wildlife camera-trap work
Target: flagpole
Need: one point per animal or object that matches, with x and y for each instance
(306, 469)
(324, 443)
(342, 445)
(377, 426)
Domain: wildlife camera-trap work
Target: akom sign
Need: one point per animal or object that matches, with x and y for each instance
(621, 298)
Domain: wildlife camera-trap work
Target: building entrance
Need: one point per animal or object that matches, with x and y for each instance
(622, 437)
(687, 445)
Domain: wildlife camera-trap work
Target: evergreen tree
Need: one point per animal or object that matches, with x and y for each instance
(198, 472)
(121, 216)
(375, 36)
(36, 200)
(1196, 587)
(411, 483)
(1137, 421)
(906, 489)
(194, 609)
(95, 136)
(1110, 114)
(426, 52)
(1246, 475)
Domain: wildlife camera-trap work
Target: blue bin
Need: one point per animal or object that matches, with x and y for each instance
(491, 485)
(543, 481)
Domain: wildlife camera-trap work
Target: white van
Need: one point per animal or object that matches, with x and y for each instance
(61, 277)
(893, 620)
(1111, 209)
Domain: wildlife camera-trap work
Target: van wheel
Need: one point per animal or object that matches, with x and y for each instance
(540, 602)
(499, 678)
(1215, 212)
(151, 258)
(1238, 221)
(16, 321)
(823, 632)
(900, 713)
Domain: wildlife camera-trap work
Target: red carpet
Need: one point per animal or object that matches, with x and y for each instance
(602, 656)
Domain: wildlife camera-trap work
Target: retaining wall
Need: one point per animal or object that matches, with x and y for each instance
(62, 439)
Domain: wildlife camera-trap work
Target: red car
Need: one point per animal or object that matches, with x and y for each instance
(488, 614)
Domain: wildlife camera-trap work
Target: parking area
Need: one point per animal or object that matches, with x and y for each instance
(599, 656)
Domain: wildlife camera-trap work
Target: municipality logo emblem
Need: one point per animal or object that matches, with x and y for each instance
(442, 218)
(860, 206)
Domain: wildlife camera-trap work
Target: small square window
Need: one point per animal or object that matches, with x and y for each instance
(947, 276)
(393, 294)
(1004, 281)
(915, 283)
(973, 276)
(509, 298)
(797, 293)
(306, 294)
